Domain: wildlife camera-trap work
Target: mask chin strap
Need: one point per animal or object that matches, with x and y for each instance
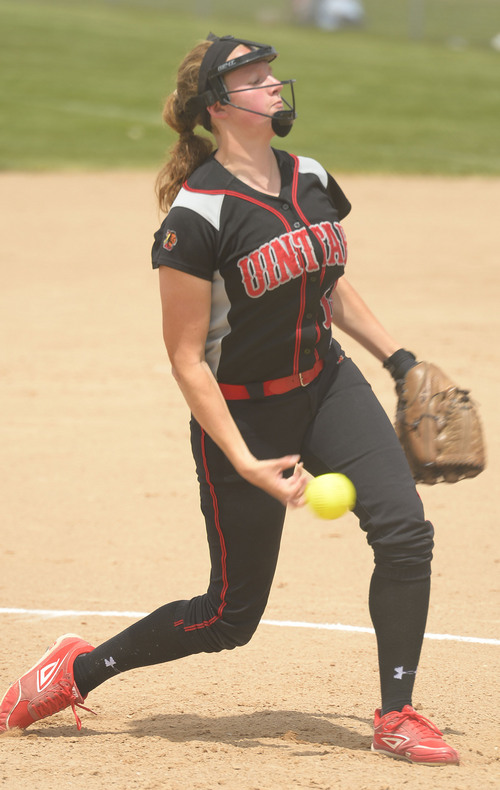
(282, 120)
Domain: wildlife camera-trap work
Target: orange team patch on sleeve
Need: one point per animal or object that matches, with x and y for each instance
(170, 240)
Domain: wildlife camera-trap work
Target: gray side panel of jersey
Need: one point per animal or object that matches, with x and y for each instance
(307, 165)
(219, 325)
(207, 206)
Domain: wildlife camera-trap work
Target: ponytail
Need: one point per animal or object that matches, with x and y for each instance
(191, 149)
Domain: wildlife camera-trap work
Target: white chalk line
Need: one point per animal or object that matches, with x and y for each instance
(49, 613)
(107, 111)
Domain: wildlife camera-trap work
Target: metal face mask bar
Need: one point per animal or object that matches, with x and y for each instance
(211, 87)
(282, 120)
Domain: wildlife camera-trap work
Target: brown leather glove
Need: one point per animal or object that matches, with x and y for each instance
(438, 426)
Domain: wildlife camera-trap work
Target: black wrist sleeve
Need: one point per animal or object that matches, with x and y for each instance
(400, 363)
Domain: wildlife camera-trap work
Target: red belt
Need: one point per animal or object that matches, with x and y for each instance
(273, 387)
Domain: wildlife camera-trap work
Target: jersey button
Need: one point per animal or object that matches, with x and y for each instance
(307, 351)
(296, 224)
(285, 207)
(309, 315)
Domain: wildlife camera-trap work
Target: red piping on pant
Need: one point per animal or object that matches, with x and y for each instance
(206, 623)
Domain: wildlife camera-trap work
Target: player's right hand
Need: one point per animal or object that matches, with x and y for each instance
(269, 475)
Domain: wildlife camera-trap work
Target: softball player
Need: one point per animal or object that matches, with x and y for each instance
(251, 259)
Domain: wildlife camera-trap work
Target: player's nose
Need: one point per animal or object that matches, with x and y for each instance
(274, 84)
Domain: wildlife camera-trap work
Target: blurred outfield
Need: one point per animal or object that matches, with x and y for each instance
(83, 82)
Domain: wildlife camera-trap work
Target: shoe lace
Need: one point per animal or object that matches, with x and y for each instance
(60, 696)
(420, 721)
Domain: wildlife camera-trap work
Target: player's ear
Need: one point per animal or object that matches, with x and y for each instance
(217, 111)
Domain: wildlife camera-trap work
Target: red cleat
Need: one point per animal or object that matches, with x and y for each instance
(46, 688)
(410, 736)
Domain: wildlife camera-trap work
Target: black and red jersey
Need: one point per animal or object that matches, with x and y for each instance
(272, 261)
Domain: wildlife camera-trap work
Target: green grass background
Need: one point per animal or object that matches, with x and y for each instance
(83, 82)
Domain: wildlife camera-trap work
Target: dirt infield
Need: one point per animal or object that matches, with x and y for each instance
(100, 507)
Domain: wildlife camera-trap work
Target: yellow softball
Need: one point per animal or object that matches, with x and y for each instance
(330, 495)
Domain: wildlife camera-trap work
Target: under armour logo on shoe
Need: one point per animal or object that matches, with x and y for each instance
(400, 671)
(45, 675)
(110, 662)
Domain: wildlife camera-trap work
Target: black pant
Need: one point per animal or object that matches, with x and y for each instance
(335, 424)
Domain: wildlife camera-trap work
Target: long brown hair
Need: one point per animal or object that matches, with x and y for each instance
(191, 149)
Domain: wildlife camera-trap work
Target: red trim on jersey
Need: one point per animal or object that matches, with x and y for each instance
(318, 337)
(249, 199)
(223, 601)
(298, 333)
(295, 186)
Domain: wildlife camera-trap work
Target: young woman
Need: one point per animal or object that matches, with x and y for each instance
(251, 259)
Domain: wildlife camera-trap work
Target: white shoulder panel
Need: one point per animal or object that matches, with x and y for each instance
(207, 206)
(307, 165)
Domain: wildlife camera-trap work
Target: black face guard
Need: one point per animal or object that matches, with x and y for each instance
(211, 87)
